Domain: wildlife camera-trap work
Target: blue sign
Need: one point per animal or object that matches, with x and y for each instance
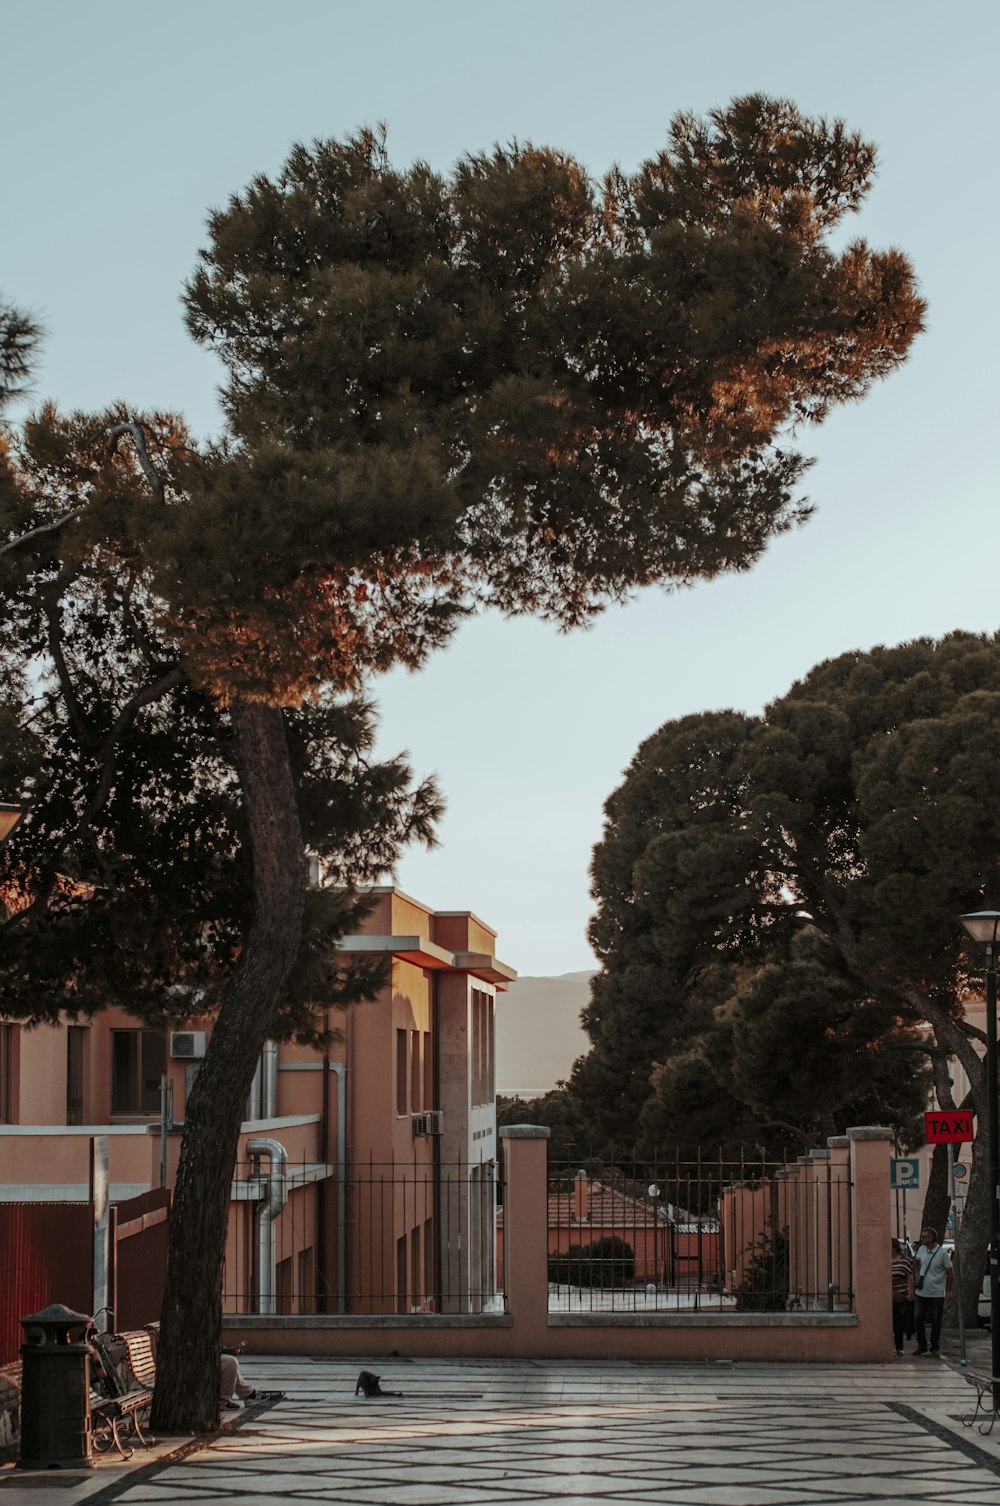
(905, 1175)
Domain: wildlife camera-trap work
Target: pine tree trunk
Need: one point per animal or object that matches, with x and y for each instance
(935, 1212)
(187, 1383)
(974, 1234)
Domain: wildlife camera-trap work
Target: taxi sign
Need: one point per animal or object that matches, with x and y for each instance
(948, 1126)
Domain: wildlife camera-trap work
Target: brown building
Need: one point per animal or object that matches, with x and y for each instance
(365, 1176)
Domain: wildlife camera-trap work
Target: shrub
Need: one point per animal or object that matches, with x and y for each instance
(764, 1288)
(607, 1262)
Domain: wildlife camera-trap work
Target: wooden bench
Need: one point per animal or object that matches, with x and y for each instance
(987, 1388)
(129, 1377)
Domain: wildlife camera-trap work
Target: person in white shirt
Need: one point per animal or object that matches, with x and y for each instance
(933, 1270)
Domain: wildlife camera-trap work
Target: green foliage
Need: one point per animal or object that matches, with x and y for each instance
(776, 902)
(607, 1262)
(764, 1288)
(511, 383)
(132, 880)
(19, 339)
(562, 1115)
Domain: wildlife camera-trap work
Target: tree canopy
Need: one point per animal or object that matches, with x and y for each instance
(777, 900)
(513, 384)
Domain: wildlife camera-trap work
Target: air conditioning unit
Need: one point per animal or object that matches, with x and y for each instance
(189, 1044)
(431, 1122)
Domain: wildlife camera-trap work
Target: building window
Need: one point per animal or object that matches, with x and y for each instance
(476, 1045)
(307, 1281)
(482, 1064)
(430, 1265)
(402, 1071)
(284, 1299)
(489, 1031)
(7, 1043)
(428, 1072)
(138, 1061)
(402, 1302)
(77, 1037)
(415, 1282)
(416, 1076)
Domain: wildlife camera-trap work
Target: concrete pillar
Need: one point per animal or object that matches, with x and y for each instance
(525, 1225)
(870, 1150)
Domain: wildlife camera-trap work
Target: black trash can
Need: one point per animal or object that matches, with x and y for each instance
(55, 1390)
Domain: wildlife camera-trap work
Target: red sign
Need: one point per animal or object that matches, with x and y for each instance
(944, 1125)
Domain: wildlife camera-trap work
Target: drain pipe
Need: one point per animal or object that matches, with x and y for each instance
(256, 1093)
(270, 1080)
(340, 1070)
(268, 1209)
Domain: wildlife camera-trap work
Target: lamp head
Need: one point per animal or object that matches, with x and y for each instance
(10, 815)
(983, 926)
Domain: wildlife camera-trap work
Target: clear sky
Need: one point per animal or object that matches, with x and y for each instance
(121, 124)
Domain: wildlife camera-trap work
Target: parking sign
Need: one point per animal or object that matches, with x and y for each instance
(905, 1173)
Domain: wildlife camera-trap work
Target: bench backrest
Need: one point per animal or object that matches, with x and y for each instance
(113, 1361)
(142, 1362)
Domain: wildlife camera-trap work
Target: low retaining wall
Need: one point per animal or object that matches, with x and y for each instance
(828, 1338)
(529, 1331)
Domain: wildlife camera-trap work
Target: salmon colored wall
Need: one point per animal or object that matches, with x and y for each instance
(461, 931)
(408, 917)
(300, 1092)
(42, 1064)
(300, 1140)
(396, 914)
(60, 1159)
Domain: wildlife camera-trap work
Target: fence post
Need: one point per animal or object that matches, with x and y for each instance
(871, 1252)
(525, 1223)
(840, 1262)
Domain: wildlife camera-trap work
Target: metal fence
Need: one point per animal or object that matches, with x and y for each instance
(379, 1238)
(738, 1236)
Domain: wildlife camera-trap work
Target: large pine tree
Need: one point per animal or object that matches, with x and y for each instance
(776, 910)
(507, 385)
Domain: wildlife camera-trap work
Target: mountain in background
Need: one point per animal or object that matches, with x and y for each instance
(539, 1035)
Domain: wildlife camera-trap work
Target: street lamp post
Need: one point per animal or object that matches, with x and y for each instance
(10, 815)
(984, 928)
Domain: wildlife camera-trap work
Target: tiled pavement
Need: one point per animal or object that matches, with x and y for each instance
(521, 1433)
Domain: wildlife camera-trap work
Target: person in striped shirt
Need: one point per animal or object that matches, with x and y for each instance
(902, 1295)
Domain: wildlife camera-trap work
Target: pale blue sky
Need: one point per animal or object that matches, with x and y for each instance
(120, 124)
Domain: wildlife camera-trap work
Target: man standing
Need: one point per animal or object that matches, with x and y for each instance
(934, 1277)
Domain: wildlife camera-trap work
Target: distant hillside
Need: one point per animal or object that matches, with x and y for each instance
(539, 1035)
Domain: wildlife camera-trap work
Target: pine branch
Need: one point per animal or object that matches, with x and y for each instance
(74, 709)
(138, 433)
(51, 527)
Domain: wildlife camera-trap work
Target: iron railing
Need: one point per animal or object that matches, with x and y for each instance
(379, 1238)
(737, 1236)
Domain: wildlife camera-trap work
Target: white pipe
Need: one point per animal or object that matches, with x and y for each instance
(268, 1209)
(270, 1080)
(253, 1109)
(340, 1070)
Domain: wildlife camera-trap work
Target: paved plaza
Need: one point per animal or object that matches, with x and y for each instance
(526, 1432)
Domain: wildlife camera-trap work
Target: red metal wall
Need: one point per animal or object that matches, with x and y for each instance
(140, 1260)
(46, 1255)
